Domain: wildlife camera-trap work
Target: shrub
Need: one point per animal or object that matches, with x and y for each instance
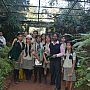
(83, 72)
(5, 66)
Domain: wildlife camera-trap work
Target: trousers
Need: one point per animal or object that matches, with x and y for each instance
(55, 68)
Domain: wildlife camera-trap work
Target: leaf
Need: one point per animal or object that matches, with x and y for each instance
(88, 76)
(88, 84)
(88, 68)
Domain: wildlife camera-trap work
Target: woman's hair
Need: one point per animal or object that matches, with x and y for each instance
(42, 35)
(63, 37)
(38, 36)
(71, 46)
(56, 34)
(19, 33)
(26, 49)
(49, 37)
(70, 43)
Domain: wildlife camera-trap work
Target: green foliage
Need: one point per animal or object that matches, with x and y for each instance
(75, 22)
(5, 66)
(4, 51)
(83, 72)
(11, 25)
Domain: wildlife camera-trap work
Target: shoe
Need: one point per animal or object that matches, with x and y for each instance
(66, 88)
(45, 80)
(35, 80)
(16, 82)
(56, 89)
(52, 83)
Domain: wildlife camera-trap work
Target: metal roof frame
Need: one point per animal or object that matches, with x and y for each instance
(38, 13)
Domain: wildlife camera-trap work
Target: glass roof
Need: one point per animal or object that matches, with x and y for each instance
(45, 10)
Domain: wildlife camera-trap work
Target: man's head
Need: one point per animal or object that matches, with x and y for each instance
(55, 37)
(19, 36)
(35, 33)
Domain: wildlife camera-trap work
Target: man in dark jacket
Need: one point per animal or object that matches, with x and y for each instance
(15, 54)
(56, 51)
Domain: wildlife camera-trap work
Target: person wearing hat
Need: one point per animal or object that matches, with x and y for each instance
(27, 63)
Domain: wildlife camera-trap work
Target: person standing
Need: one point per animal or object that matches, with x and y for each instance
(69, 66)
(38, 69)
(46, 62)
(21, 71)
(28, 63)
(2, 40)
(56, 51)
(34, 38)
(43, 39)
(63, 41)
(24, 36)
(35, 34)
(15, 55)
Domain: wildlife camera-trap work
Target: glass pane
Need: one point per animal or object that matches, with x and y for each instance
(87, 6)
(58, 3)
(34, 2)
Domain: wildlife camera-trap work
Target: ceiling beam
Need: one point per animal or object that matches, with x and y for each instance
(21, 5)
(75, 1)
(36, 23)
(5, 6)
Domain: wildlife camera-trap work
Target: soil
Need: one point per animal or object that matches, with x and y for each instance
(30, 85)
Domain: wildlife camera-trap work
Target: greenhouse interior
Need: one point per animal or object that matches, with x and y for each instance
(43, 21)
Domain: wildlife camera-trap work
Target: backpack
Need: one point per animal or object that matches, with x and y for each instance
(77, 63)
(15, 51)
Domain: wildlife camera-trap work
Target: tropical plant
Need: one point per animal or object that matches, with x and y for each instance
(5, 66)
(83, 72)
(12, 16)
(73, 20)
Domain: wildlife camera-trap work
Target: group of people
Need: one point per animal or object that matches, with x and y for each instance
(40, 55)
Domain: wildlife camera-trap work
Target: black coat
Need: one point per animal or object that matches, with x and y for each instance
(16, 51)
